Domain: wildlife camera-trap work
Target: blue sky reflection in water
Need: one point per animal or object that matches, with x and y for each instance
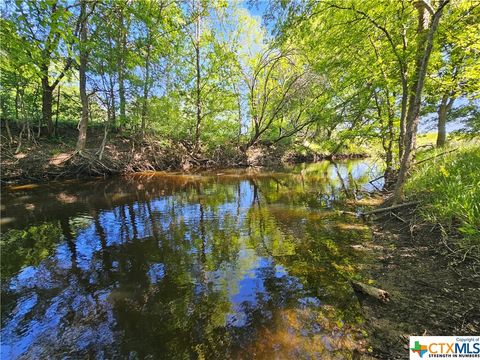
(176, 266)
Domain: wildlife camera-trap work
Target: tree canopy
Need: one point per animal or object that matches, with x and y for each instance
(316, 74)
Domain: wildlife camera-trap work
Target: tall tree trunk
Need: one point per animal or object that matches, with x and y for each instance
(112, 119)
(256, 135)
(57, 111)
(4, 118)
(121, 68)
(424, 49)
(443, 110)
(146, 86)
(121, 92)
(47, 101)
(387, 143)
(403, 114)
(404, 80)
(82, 129)
(254, 116)
(239, 135)
(198, 99)
(17, 100)
(389, 150)
(111, 83)
(198, 78)
(104, 141)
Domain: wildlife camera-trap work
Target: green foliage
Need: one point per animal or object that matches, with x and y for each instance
(28, 247)
(332, 77)
(449, 185)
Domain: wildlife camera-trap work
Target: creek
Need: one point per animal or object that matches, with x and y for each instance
(227, 264)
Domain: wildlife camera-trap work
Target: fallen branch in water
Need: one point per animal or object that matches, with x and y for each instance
(377, 293)
(393, 207)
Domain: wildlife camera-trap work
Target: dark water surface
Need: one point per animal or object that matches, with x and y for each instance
(234, 264)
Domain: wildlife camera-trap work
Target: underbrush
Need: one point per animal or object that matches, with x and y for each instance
(449, 186)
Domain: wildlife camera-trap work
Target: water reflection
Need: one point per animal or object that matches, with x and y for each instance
(240, 265)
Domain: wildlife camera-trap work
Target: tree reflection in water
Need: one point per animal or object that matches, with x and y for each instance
(157, 266)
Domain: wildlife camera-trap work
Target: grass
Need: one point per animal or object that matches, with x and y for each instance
(449, 185)
(429, 138)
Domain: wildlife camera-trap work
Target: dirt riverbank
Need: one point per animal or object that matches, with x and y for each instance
(433, 291)
(55, 158)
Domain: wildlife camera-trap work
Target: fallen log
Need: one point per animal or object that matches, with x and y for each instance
(393, 207)
(377, 293)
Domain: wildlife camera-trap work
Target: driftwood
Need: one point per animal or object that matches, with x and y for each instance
(377, 293)
(393, 207)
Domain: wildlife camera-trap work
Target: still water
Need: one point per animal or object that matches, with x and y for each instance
(234, 264)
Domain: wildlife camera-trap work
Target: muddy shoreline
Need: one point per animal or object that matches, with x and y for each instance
(432, 291)
(50, 161)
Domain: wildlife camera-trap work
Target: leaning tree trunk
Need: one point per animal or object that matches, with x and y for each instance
(82, 129)
(403, 114)
(424, 49)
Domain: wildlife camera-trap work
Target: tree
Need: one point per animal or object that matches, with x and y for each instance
(207, 72)
(103, 62)
(275, 78)
(151, 45)
(197, 8)
(455, 65)
(425, 34)
(82, 69)
(18, 76)
(49, 31)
